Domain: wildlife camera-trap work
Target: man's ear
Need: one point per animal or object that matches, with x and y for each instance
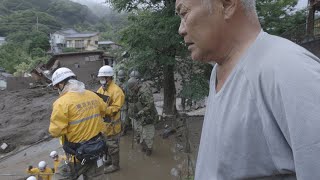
(229, 7)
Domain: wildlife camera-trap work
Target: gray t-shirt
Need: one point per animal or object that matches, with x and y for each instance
(265, 121)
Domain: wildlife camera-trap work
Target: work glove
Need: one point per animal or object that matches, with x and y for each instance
(140, 113)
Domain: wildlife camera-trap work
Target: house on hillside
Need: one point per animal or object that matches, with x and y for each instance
(2, 40)
(70, 38)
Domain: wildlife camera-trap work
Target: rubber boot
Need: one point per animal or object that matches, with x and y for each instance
(143, 147)
(115, 164)
(148, 152)
(108, 162)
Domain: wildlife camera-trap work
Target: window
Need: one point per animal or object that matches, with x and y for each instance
(79, 44)
(69, 43)
(96, 42)
(92, 58)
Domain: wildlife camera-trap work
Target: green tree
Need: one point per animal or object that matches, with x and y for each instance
(154, 43)
(11, 55)
(30, 39)
(24, 21)
(276, 17)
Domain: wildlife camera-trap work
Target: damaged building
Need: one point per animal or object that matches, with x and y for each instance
(84, 64)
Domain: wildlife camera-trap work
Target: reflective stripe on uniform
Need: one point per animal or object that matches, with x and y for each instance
(84, 119)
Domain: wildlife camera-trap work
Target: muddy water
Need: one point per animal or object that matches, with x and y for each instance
(134, 164)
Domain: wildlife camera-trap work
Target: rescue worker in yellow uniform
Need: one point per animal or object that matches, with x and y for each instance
(77, 118)
(56, 160)
(112, 116)
(42, 172)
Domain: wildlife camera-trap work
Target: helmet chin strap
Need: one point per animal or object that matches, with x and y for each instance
(61, 90)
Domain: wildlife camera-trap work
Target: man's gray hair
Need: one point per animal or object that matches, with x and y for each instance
(249, 5)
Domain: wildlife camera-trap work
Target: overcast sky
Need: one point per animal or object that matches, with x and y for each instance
(302, 3)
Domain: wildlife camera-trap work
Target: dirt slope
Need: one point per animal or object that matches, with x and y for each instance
(25, 116)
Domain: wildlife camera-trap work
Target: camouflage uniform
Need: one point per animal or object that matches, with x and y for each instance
(132, 111)
(124, 109)
(66, 171)
(145, 115)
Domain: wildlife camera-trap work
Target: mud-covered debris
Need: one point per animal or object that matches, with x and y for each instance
(4, 146)
(174, 172)
(168, 131)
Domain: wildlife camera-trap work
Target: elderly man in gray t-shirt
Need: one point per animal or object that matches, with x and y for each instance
(263, 112)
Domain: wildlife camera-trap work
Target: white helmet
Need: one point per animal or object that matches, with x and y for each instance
(61, 74)
(105, 71)
(42, 165)
(53, 154)
(31, 178)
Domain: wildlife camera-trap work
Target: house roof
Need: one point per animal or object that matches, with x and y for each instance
(6, 75)
(71, 33)
(2, 38)
(56, 56)
(82, 35)
(106, 42)
(66, 31)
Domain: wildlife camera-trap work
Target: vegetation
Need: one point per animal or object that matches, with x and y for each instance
(277, 17)
(157, 51)
(26, 24)
(149, 33)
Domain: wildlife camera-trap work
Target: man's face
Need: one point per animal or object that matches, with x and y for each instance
(122, 79)
(202, 30)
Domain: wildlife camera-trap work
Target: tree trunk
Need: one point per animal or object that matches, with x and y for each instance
(310, 20)
(169, 102)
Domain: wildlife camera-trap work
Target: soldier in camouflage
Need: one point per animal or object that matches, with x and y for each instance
(143, 112)
(132, 98)
(121, 81)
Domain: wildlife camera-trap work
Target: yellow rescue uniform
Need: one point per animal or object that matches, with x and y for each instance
(57, 162)
(113, 105)
(44, 175)
(78, 116)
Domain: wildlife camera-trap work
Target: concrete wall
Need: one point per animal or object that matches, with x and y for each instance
(16, 83)
(85, 67)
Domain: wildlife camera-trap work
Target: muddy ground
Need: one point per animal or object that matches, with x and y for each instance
(164, 164)
(194, 130)
(24, 116)
(24, 121)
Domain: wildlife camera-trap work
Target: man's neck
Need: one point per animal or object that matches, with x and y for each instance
(239, 45)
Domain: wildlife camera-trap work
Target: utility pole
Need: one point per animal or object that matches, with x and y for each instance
(37, 27)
